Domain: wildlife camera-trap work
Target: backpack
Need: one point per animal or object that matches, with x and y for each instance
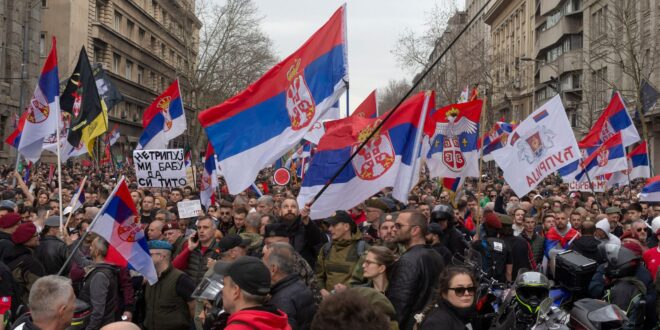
(494, 260)
(629, 294)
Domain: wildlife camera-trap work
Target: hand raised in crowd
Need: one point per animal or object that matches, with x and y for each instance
(192, 242)
(304, 213)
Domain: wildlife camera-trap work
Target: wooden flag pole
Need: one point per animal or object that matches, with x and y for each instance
(75, 201)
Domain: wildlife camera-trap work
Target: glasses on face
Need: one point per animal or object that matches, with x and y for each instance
(639, 230)
(370, 262)
(460, 291)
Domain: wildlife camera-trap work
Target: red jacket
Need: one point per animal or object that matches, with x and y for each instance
(262, 318)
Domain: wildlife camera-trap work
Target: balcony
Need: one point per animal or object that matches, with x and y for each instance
(567, 25)
(570, 61)
(548, 5)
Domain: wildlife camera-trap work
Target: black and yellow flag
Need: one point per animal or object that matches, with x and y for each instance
(86, 109)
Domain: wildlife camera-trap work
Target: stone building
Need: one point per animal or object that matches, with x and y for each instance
(142, 44)
(22, 49)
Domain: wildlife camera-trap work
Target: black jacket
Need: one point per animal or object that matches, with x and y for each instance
(443, 317)
(588, 247)
(454, 240)
(306, 240)
(52, 253)
(412, 281)
(24, 323)
(6, 247)
(294, 298)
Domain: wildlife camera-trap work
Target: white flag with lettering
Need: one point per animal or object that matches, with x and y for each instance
(539, 146)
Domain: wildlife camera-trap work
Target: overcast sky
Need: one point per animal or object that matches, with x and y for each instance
(373, 29)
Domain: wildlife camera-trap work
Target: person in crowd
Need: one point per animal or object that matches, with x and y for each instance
(303, 233)
(560, 236)
(265, 204)
(52, 304)
(376, 266)
(451, 237)
(576, 220)
(532, 237)
(252, 226)
(518, 221)
(435, 243)
(413, 278)
(224, 214)
(233, 247)
(614, 218)
(349, 309)
(199, 247)
(147, 211)
(247, 284)
(52, 252)
(495, 254)
(25, 268)
(101, 287)
(604, 234)
(176, 195)
(8, 225)
(288, 292)
(338, 259)
(375, 209)
(425, 209)
(522, 257)
(174, 236)
(171, 295)
(453, 305)
(155, 230)
(240, 213)
(587, 243)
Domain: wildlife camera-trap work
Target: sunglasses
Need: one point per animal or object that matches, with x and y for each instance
(639, 230)
(461, 290)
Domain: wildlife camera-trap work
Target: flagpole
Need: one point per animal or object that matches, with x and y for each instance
(75, 201)
(396, 107)
(18, 162)
(59, 167)
(347, 90)
(89, 229)
(625, 154)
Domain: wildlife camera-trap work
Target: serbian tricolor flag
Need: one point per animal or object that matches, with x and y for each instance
(450, 144)
(452, 183)
(651, 191)
(15, 136)
(209, 181)
(609, 157)
(113, 136)
(43, 110)
(615, 118)
(254, 128)
(368, 108)
(78, 198)
(391, 158)
(493, 140)
(638, 167)
(163, 120)
(118, 224)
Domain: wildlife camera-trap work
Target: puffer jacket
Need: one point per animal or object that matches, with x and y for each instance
(412, 282)
(52, 253)
(294, 298)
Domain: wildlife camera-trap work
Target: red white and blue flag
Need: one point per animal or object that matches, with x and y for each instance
(638, 167)
(651, 191)
(209, 181)
(254, 128)
(493, 139)
(113, 136)
(43, 111)
(391, 158)
(609, 157)
(15, 136)
(78, 198)
(451, 141)
(452, 183)
(164, 119)
(615, 118)
(118, 224)
(368, 108)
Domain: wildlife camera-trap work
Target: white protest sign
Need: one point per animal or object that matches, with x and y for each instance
(189, 209)
(597, 184)
(163, 168)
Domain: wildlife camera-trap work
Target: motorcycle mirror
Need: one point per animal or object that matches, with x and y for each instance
(608, 313)
(544, 307)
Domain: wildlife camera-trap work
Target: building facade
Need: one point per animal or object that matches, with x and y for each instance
(142, 44)
(21, 45)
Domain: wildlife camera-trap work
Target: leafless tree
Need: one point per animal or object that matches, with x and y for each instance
(390, 96)
(230, 52)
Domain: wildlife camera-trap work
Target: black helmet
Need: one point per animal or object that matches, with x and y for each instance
(531, 289)
(443, 212)
(621, 262)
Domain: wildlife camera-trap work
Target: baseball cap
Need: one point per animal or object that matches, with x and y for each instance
(231, 241)
(52, 221)
(340, 217)
(276, 230)
(7, 205)
(9, 220)
(249, 273)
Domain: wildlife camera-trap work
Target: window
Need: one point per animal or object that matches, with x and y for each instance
(98, 55)
(129, 69)
(162, 83)
(600, 86)
(162, 51)
(154, 8)
(129, 28)
(118, 18)
(598, 23)
(98, 8)
(163, 16)
(172, 56)
(153, 44)
(152, 80)
(553, 19)
(44, 3)
(42, 44)
(116, 61)
(141, 34)
(140, 74)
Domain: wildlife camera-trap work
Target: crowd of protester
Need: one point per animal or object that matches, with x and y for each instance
(383, 264)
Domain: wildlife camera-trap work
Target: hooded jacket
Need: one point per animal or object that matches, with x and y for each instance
(262, 318)
(604, 225)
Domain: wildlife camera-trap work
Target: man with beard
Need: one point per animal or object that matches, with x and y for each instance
(414, 277)
(560, 236)
(224, 215)
(304, 235)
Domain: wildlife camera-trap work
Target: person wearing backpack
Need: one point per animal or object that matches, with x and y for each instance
(338, 259)
(25, 268)
(101, 287)
(496, 255)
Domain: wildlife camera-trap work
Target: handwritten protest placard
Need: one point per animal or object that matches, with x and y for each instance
(163, 168)
(189, 209)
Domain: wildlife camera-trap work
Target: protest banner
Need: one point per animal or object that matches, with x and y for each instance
(189, 209)
(598, 184)
(164, 168)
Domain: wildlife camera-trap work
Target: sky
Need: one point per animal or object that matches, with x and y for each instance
(374, 27)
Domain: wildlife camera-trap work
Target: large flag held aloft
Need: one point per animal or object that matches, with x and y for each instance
(106, 88)
(43, 111)
(209, 181)
(651, 191)
(89, 116)
(391, 158)
(539, 146)
(451, 142)
(609, 157)
(638, 167)
(615, 118)
(118, 224)
(164, 119)
(254, 128)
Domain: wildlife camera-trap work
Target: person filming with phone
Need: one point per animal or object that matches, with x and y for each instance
(195, 253)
